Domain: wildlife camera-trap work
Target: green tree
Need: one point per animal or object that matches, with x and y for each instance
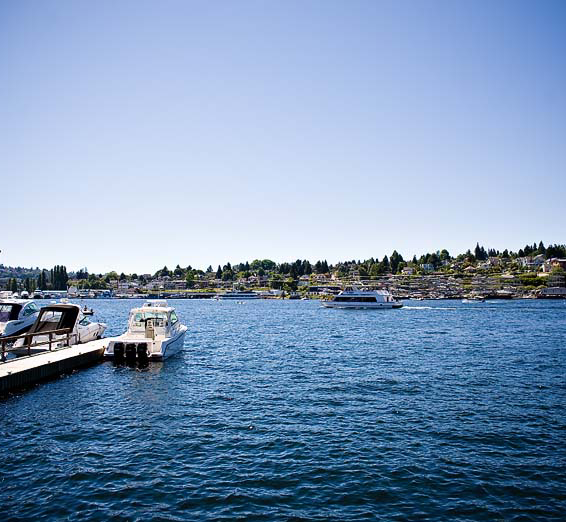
(396, 258)
(384, 266)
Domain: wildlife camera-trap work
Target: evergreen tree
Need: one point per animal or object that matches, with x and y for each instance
(384, 266)
(293, 271)
(480, 253)
(435, 260)
(396, 258)
(308, 268)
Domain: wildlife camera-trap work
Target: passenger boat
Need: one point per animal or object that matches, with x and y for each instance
(353, 297)
(154, 333)
(73, 327)
(17, 316)
(473, 298)
(239, 295)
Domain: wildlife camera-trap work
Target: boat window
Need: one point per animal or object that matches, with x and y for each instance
(140, 318)
(51, 316)
(352, 299)
(30, 309)
(9, 312)
(173, 318)
(85, 321)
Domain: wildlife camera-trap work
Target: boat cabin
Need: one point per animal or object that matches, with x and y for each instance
(11, 311)
(153, 319)
(54, 317)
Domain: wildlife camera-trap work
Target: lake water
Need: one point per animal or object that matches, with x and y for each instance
(283, 410)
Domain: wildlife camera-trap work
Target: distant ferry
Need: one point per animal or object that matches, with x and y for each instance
(239, 294)
(353, 297)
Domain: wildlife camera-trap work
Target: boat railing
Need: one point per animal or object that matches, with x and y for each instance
(7, 343)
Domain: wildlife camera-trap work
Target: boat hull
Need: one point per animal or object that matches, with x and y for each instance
(238, 298)
(173, 345)
(360, 305)
(158, 350)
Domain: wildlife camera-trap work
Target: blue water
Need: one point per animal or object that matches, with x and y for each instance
(282, 410)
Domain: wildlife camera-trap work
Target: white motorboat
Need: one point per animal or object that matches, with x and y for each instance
(154, 333)
(472, 299)
(87, 311)
(239, 295)
(17, 316)
(354, 297)
(76, 328)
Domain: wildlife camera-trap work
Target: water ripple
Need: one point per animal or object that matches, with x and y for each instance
(286, 411)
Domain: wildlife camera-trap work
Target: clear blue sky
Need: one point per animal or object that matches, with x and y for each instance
(140, 134)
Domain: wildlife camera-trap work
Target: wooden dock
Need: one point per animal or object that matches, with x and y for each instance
(27, 371)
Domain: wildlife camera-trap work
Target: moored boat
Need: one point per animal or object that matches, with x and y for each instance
(17, 316)
(154, 333)
(67, 320)
(87, 311)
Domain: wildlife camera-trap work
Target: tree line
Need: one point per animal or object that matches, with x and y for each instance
(57, 278)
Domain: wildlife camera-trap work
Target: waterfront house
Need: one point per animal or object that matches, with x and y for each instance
(559, 263)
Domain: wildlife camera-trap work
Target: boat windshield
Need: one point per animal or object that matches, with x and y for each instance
(140, 318)
(51, 316)
(9, 312)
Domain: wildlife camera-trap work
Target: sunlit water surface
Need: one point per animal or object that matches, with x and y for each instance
(282, 410)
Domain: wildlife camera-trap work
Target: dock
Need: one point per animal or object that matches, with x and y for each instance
(24, 372)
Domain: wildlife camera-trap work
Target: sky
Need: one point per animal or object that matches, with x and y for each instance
(139, 134)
